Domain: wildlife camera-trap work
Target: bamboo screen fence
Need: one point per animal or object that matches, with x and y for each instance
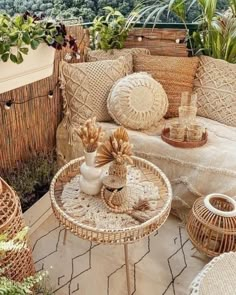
(31, 127)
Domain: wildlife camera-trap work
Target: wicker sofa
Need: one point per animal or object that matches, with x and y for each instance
(192, 172)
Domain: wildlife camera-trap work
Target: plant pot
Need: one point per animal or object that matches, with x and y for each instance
(38, 64)
(91, 176)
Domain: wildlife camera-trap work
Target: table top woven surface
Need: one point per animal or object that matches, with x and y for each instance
(86, 215)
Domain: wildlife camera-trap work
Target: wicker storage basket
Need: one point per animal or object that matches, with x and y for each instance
(18, 264)
(212, 224)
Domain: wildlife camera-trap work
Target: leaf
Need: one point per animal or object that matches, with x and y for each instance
(19, 20)
(13, 37)
(5, 57)
(13, 58)
(19, 58)
(2, 48)
(26, 38)
(34, 44)
(24, 50)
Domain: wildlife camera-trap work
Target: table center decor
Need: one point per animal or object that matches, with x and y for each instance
(91, 176)
(117, 151)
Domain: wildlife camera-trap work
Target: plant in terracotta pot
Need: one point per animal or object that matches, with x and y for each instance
(27, 48)
(91, 135)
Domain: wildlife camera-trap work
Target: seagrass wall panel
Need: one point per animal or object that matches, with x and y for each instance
(31, 127)
(166, 42)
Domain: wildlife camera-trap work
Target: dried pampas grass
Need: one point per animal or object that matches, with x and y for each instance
(91, 135)
(117, 148)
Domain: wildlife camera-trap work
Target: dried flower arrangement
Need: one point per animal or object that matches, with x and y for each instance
(91, 135)
(117, 148)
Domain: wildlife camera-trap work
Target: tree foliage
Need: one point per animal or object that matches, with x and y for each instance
(87, 9)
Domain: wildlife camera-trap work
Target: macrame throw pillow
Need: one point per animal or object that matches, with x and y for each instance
(176, 75)
(95, 55)
(86, 87)
(137, 101)
(215, 86)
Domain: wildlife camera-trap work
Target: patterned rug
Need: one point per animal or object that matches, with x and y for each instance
(162, 264)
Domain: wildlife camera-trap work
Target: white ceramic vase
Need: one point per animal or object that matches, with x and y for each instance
(91, 176)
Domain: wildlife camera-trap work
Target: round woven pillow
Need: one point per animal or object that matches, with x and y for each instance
(137, 101)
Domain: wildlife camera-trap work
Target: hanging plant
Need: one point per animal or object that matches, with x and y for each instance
(21, 33)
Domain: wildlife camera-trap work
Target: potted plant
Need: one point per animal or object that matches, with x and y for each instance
(109, 31)
(216, 34)
(108, 35)
(27, 48)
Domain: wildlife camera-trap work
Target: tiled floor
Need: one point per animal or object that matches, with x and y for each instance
(161, 264)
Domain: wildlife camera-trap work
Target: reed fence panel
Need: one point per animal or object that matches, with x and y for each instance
(30, 127)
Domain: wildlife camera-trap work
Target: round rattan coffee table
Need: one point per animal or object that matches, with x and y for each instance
(90, 219)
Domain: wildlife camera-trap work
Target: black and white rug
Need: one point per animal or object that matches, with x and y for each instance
(162, 264)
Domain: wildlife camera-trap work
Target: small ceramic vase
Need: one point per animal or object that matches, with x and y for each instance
(91, 176)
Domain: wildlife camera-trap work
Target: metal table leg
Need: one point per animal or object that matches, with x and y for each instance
(127, 268)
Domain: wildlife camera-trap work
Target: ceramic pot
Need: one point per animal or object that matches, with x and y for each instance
(91, 176)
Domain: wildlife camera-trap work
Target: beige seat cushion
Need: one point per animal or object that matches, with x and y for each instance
(192, 172)
(215, 86)
(86, 87)
(95, 55)
(176, 74)
(137, 101)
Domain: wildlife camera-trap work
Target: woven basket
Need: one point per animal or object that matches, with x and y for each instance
(18, 264)
(212, 224)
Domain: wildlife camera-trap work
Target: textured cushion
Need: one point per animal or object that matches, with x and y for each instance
(95, 55)
(176, 74)
(215, 86)
(137, 101)
(86, 87)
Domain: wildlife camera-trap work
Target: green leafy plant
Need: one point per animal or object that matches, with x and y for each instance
(21, 33)
(216, 34)
(10, 287)
(31, 179)
(110, 30)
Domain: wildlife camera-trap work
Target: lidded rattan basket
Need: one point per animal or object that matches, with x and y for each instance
(212, 224)
(17, 264)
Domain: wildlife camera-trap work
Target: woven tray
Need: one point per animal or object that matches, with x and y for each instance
(183, 144)
(88, 217)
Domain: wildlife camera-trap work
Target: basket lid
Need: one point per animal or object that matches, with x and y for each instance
(114, 182)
